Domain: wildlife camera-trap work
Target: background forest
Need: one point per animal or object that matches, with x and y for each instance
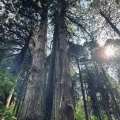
(60, 60)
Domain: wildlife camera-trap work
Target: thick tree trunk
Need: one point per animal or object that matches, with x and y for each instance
(62, 100)
(33, 106)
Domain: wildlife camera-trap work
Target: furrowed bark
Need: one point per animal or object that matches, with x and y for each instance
(62, 100)
(33, 106)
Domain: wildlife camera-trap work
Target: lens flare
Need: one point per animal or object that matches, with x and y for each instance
(109, 51)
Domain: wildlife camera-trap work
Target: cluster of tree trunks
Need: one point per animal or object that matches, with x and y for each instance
(57, 102)
(51, 97)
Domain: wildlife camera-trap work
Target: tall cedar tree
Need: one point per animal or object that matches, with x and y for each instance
(59, 87)
(33, 106)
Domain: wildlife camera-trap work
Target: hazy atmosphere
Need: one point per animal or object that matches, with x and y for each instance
(60, 60)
